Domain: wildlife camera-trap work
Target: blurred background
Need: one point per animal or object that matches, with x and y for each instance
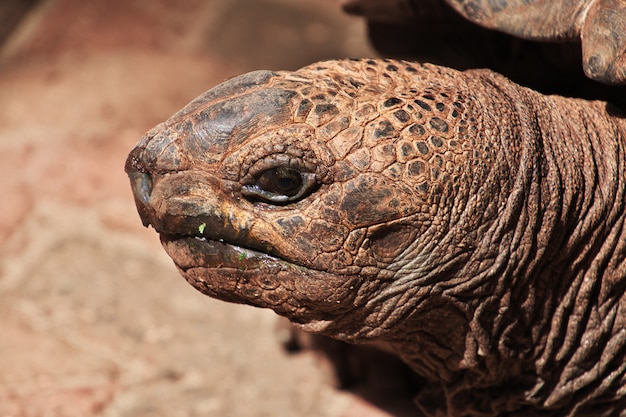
(95, 320)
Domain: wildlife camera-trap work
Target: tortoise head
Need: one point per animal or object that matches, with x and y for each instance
(328, 194)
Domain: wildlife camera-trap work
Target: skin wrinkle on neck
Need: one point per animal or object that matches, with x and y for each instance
(599, 214)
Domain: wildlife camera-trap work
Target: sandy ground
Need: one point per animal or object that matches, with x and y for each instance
(95, 319)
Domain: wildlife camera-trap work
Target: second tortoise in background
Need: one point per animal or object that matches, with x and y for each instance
(546, 45)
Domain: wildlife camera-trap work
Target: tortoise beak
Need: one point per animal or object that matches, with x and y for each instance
(141, 185)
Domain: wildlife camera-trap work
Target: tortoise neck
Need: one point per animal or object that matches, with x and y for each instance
(549, 264)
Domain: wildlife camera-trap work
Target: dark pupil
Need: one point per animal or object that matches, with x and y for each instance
(281, 180)
(285, 184)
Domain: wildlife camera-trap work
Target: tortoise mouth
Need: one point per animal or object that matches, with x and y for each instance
(241, 275)
(189, 251)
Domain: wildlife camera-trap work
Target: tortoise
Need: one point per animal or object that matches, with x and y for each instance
(473, 226)
(542, 44)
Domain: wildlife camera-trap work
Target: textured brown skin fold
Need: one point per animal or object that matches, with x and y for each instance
(473, 225)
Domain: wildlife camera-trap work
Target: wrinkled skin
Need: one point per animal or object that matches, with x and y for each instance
(598, 25)
(474, 226)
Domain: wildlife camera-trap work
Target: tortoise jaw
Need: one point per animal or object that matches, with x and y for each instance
(189, 251)
(239, 275)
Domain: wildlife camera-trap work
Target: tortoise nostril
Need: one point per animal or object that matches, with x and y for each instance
(141, 184)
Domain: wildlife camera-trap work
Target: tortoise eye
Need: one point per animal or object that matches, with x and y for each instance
(280, 185)
(283, 181)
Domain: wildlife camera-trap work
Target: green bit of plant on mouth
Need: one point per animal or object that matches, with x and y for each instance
(242, 257)
(201, 228)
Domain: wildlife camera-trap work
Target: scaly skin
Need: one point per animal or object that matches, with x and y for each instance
(475, 226)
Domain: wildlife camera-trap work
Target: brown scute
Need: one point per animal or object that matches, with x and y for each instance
(438, 124)
(384, 130)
